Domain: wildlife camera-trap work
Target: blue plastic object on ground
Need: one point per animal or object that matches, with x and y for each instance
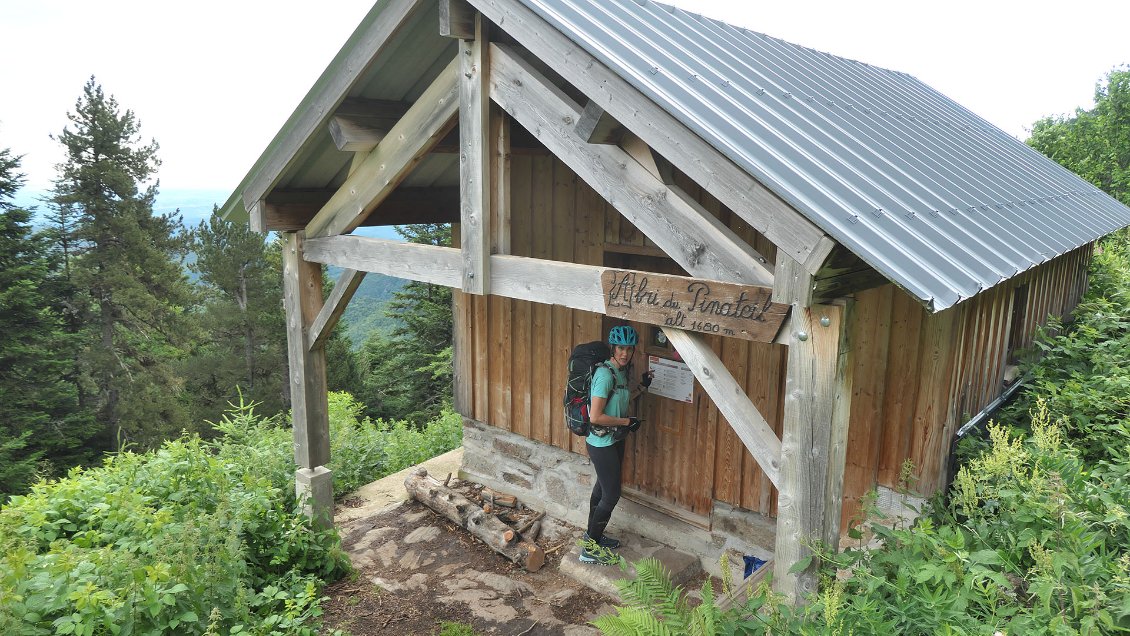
(752, 564)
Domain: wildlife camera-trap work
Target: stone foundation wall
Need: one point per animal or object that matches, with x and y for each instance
(547, 478)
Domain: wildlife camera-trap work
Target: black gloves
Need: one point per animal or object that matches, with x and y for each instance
(645, 380)
(634, 424)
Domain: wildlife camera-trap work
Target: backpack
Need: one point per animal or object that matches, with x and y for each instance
(582, 365)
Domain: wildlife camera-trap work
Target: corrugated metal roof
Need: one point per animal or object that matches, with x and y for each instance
(929, 194)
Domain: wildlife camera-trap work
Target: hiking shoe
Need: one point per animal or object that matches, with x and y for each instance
(600, 556)
(604, 542)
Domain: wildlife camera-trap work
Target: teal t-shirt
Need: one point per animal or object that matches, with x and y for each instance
(613, 389)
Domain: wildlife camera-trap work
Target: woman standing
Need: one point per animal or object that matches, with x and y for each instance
(609, 399)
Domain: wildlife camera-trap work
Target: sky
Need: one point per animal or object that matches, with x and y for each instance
(214, 81)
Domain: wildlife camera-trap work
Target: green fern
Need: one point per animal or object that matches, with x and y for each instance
(655, 607)
(633, 621)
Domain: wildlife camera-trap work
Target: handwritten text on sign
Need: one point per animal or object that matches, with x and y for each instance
(705, 306)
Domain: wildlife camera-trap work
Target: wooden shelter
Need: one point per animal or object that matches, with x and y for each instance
(845, 261)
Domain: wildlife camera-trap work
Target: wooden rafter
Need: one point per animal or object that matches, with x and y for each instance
(735, 188)
(596, 126)
(425, 123)
(327, 94)
(693, 238)
(291, 210)
(456, 19)
(360, 124)
(354, 135)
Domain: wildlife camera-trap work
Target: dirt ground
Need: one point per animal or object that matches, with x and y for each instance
(416, 571)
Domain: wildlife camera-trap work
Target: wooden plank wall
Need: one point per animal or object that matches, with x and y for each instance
(918, 376)
(518, 353)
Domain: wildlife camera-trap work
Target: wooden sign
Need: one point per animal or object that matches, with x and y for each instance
(691, 304)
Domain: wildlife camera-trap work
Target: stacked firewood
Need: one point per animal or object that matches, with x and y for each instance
(498, 520)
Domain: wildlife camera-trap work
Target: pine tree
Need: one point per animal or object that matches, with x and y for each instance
(408, 375)
(39, 416)
(244, 349)
(130, 289)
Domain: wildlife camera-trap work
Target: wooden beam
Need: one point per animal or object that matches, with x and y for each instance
(373, 112)
(360, 124)
(256, 217)
(695, 239)
(425, 123)
(302, 299)
(813, 446)
(411, 261)
(640, 151)
(291, 210)
(658, 166)
(788, 229)
(474, 162)
(331, 312)
(541, 281)
(352, 135)
(756, 433)
(596, 126)
(456, 19)
(792, 284)
(364, 46)
(548, 282)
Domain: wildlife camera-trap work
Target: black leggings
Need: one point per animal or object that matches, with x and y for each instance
(608, 462)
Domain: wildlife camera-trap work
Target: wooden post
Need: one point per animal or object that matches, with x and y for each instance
(814, 436)
(474, 162)
(302, 299)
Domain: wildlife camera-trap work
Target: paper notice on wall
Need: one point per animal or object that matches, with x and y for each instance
(673, 379)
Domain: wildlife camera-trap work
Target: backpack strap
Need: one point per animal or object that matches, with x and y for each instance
(615, 379)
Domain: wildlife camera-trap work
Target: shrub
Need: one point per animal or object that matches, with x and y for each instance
(164, 542)
(196, 537)
(1083, 374)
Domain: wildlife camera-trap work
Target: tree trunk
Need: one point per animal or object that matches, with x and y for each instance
(110, 402)
(469, 515)
(248, 334)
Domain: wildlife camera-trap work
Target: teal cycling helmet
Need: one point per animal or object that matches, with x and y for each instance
(624, 336)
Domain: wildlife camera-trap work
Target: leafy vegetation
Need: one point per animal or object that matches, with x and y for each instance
(1084, 376)
(655, 606)
(1095, 143)
(197, 537)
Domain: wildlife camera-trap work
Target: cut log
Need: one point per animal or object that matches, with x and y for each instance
(489, 529)
(499, 499)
